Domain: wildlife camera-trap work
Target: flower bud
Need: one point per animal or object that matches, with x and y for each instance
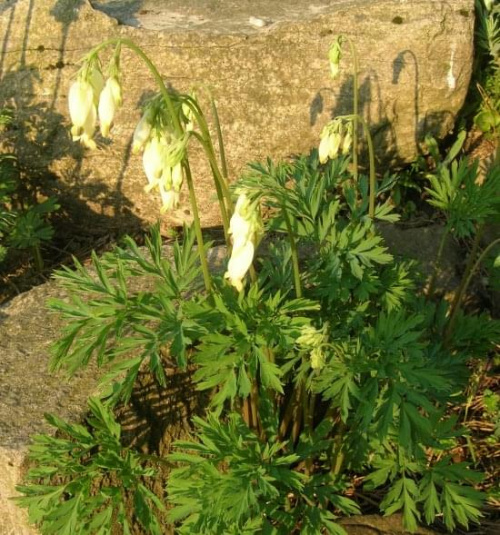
(347, 141)
(174, 150)
(188, 114)
(334, 145)
(313, 339)
(309, 337)
(177, 176)
(317, 358)
(334, 55)
(96, 80)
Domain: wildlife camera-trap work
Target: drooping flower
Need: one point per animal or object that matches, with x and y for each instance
(169, 199)
(83, 99)
(245, 228)
(239, 263)
(336, 137)
(152, 160)
(142, 131)
(324, 148)
(81, 102)
(162, 160)
(86, 138)
(170, 186)
(96, 80)
(109, 101)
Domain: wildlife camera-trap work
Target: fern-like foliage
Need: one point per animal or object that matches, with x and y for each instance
(466, 204)
(232, 482)
(82, 479)
(122, 327)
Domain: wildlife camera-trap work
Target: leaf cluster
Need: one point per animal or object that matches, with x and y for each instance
(466, 204)
(83, 476)
(284, 432)
(232, 482)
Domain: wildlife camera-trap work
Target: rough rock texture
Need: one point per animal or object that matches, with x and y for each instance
(28, 390)
(266, 63)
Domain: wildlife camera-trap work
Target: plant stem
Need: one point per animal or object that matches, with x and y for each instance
(180, 132)
(197, 228)
(373, 180)
(37, 255)
(459, 296)
(337, 453)
(295, 256)
(437, 262)
(219, 188)
(355, 108)
(220, 139)
(246, 412)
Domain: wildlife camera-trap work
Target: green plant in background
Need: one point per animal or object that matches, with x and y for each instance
(24, 222)
(322, 360)
(488, 40)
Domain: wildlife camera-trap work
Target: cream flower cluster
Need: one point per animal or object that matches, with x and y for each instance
(336, 137)
(245, 229)
(314, 340)
(162, 159)
(91, 98)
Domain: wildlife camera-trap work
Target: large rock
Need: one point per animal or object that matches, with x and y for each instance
(266, 63)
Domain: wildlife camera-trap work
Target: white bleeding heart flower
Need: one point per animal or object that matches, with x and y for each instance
(80, 101)
(244, 228)
(170, 199)
(152, 160)
(239, 263)
(109, 101)
(142, 132)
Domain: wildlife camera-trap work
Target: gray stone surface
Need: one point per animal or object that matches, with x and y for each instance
(270, 79)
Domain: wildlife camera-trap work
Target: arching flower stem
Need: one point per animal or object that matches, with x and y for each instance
(179, 130)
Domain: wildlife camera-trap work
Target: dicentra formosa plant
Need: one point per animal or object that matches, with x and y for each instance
(325, 365)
